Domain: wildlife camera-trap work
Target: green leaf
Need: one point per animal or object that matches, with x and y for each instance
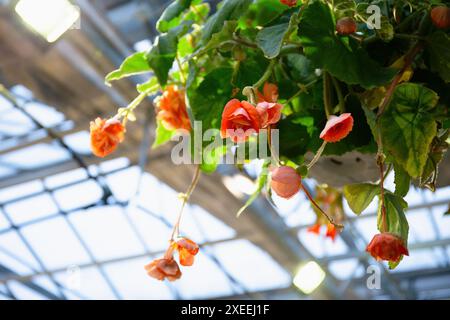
(164, 50)
(340, 56)
(402, 181)
(213, 156)
(359, 196)
(396, 222)
(300, 68)
(220, 37)
(439, 51)
(393, 265)
(408, 128)
(270, 39)
(230, 10)
(151, 86)
(438, 148)
(169, 16)
(162, 135)
(262, 179)
(207, 100)
(135, 64)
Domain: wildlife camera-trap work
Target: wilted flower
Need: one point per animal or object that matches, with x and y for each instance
(187, 249)
(105, 136)
(388, 247)
(165, 268)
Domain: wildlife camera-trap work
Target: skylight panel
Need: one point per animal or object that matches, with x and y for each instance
(36, 156)
(88, 282)
(320, 246)
(346, 269)
(132, 281)
(11, 245)
(22, 292)
(107, 232)
(79, 195)
(251, 266)
(65, 178)
(31, 209)
(20, 190)
(45, 115)
(79, 142)
(206, 280)
(56, 244)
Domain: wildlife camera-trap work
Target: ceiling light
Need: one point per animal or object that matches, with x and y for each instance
(309, 276)
(49, 18)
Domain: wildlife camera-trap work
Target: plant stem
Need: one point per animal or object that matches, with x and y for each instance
(330, 219)
(326, 94)
(303, 88)
(341, 99)
(317, 156)
(180, 66)
(383, 207)
(266, 74)
(185, 198)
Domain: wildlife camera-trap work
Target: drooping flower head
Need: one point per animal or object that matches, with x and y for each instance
(285, 181)
(331, 231)
(105, 136)
(290, 3)
(440, 16)
(187, 249)
(337, 128)
(239, 120)
(388, 247)
(165, 268)
(171, 109)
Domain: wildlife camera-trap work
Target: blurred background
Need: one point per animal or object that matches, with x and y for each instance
(73, 226)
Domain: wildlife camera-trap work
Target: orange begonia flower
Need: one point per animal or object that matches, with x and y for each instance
(270, 93)
(171, 109)
(337, 128)
(239, 120)
(105, 136)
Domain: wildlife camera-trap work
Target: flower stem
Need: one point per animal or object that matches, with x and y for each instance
(317, 156)
(303, 88)
(185, 199)
(341, 99)
(266, 74)
(330, 219)
(326, 94)
(180, 66)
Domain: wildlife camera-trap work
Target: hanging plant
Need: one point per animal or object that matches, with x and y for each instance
(332, 77)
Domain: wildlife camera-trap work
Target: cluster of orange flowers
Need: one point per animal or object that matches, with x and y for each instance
(107, 134)
(166, 267)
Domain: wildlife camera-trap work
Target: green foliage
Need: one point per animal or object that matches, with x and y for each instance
(340, 56)
(396, 222)
(171, 15)
(439, 51)
(408, 127)
(230, 10)
(161, 56)
(133, 65)
(403, 123)
(262, 180)
(359, 196)
(162, 135)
